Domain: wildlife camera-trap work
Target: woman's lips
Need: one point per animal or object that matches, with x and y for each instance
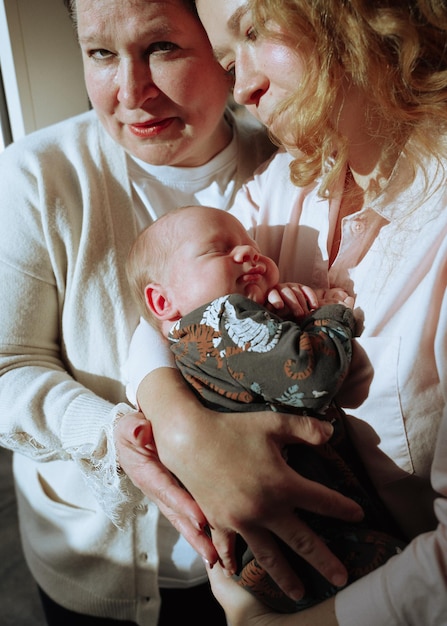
(150, 129)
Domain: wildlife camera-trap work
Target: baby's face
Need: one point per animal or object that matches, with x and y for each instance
(216, 257)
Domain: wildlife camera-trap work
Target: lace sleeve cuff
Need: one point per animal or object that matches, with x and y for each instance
(113, 489)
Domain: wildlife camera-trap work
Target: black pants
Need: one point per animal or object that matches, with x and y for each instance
(196, 605)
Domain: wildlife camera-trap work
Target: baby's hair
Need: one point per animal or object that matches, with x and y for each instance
(149, 257)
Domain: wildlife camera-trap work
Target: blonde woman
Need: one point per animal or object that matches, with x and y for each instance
(356, 92)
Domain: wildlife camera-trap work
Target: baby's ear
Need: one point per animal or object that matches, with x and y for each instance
(158, 302)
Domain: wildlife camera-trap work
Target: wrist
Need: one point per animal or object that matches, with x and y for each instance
(178, 418)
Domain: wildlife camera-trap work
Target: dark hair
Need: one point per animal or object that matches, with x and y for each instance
(70, 5)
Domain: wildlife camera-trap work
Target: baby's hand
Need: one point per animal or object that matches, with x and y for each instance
(293, 298)
(334, 295)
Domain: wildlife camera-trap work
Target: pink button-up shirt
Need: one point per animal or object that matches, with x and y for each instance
(393, 259)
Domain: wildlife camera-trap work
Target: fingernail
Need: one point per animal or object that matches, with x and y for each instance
(339, 579)
(296, 594)
(327, 428)
(358, 515)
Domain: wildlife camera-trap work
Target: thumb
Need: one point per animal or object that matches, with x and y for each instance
(143, 435)
(311, 430)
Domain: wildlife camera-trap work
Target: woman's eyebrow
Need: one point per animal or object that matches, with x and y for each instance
(235, 19)
(233, 25)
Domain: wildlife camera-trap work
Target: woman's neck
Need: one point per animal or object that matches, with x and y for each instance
(351, 201)
(369, 159)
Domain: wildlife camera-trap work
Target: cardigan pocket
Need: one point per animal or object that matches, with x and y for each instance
(61, 489)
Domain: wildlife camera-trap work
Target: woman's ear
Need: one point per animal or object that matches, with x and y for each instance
(157, 301)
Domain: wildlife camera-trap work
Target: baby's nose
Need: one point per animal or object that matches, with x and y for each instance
(246, 253)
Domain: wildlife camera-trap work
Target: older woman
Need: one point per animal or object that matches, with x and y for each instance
(73, 198)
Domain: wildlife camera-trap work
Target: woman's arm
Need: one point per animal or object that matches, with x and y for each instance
(212, 455)
(59, 363)
(138, 459)
(409, 589)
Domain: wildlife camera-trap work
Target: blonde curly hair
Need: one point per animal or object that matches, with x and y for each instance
(393, 50)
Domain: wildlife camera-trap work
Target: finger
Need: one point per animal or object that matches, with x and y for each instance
(197, 538)
(274, 298)
(304, 429)
(340, 294)
(311, 548)
(222, 585)
(295, 300)
(224, 542)
(135, 431)
(349, 302)
(270, 557)
(178, 506)
(241, 608)
(322, 500)
(313, 496)
(142, 435)
(163, 488)
(138, 457)
(306, 544)
(310, 295)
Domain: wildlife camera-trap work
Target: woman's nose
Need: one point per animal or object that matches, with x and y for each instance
(250, 84)
(135, 83)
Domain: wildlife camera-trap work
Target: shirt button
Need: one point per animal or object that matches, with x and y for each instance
(357, 227)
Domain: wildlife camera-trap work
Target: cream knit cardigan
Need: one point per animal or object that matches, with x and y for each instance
(67, 223)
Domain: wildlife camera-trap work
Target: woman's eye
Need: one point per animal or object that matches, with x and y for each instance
(162, 46)
(251, 34)
(231, 70)
(100, 54)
